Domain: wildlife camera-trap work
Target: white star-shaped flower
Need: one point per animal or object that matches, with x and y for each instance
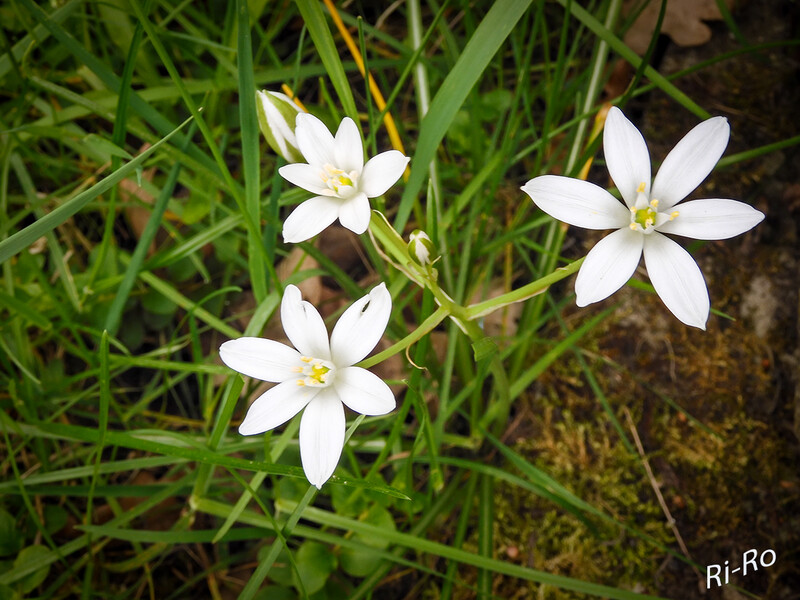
(337, 174)
(317, 376)
(650, 212)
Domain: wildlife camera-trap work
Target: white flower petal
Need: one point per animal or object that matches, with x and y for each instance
(677, 279)
(262, 359)
(608, 266)
(690, 162)
(349, 150)
(360, 327)
(322, 436)
(713, 219)
(381, 172)
(577, 202)
(314, 140)
(627, 157)
(276, 406)
(305, 176)
(363, 391)
(354, 213)
(309, 218)
(303, 325)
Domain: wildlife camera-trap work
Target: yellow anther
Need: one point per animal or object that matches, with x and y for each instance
(673, 214)
(306, 359)
(300, 383)
(654, 203)
(633, 226)
(318, 372)
(641, 188)
(297, 369)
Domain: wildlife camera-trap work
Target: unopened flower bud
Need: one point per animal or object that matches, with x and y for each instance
(276, 119)
(421, 248)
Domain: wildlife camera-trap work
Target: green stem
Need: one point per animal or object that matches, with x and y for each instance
(526, 291)
(426, 326)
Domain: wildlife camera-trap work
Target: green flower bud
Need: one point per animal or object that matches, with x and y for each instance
(276, 119)
(421, 249)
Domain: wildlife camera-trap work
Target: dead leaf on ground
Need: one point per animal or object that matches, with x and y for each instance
(683, 22)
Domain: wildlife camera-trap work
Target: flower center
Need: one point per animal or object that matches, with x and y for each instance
(339, 181)
(317, 372)
(644, 214)
(643, 219)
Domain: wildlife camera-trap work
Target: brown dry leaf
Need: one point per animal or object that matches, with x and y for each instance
(683, 22)
(343, 247)
(298, 260)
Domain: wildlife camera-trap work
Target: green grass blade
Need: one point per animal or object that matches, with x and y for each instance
(142, 246)
(250, 153)
(24, 238)
(480, 49)
(314, 19)
(616, 44)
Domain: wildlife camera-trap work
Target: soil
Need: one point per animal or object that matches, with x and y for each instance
(726, 459)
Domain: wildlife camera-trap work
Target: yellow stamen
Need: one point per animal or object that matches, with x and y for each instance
(300, 383)
(673, 214)
(654, 203)
(640, 189)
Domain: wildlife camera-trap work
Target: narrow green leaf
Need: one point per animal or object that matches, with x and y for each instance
(421, 544)
(250, 155)
(314, 19)
(616, 44)
(142, 247)
(487, 39)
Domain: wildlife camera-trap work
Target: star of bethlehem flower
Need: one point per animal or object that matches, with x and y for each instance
(317, 376)
(337, 174)
(649, 213)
